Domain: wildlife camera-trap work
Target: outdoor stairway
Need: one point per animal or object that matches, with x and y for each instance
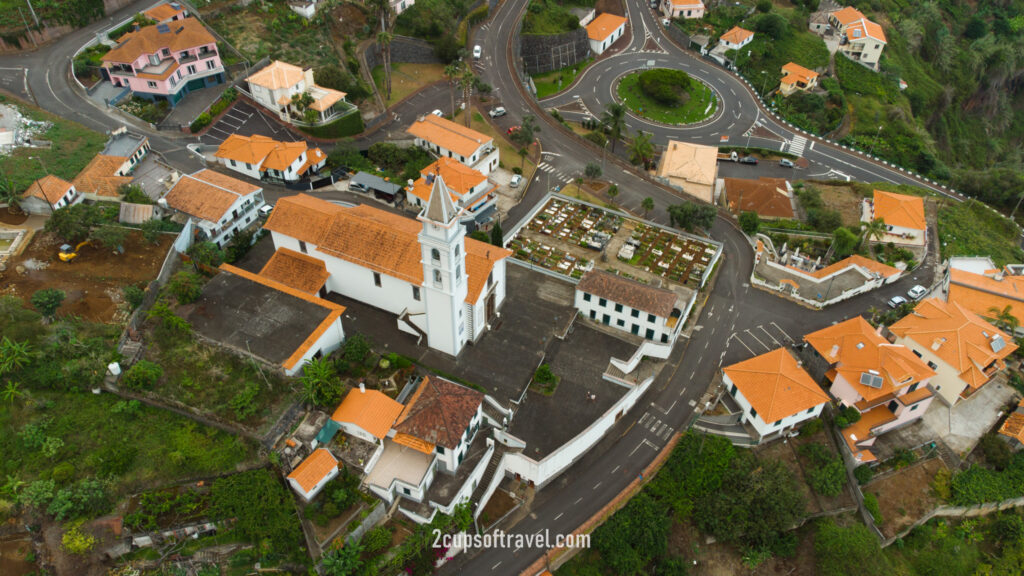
(492, 467)
(404, 318)
(131, 351)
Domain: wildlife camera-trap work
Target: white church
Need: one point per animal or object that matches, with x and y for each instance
(444, 288)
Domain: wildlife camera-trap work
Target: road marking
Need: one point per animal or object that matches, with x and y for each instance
(769, 335)
(733, 92)
(740, 340)
(614, 470)
(561, 513)
(781, 330)
(495, 567)
(755, 338)
(578, 500)
(595, 486)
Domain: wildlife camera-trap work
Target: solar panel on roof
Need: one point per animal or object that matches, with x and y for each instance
(162, 28)
(872, 380)
(998, 343)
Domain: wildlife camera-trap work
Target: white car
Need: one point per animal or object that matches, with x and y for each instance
(897, 301)
(477, 52)
(916, 292)
(497, 112)
(515, 181)
(265, 210)
(786, 163)
(438, 113)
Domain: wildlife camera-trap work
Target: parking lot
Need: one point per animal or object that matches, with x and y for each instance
(247, 120)
(747, 343)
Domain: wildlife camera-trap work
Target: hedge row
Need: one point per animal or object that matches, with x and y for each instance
(345, 126)
(472, 19)
(222, 103)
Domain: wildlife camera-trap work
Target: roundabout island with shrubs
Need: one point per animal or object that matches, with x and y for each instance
(667, 96)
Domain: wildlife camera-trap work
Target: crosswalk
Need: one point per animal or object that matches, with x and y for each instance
(797, 144)
(554, 173)
(655, 426)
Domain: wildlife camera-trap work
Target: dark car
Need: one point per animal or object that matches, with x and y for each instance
(748, 160)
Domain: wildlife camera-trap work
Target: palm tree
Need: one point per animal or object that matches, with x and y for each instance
(614, 121)
(874, 229)
(384, 39)
(641, 149)
(523, 152)
(647, 205)
(11, 392)
(466, 81)
(452, 72)
(1004, 318)
(13, 485)
(9, 195)
(382, 8)
(13, 355)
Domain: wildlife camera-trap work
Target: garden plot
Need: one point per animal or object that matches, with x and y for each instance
(566, 237)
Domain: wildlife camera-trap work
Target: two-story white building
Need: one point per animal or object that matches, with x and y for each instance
(682, 8)
(774, 392)
(259, 157)
(471, 191)
(449, 139)
(860, 39)
(902, 214)
(275, 86)
(49, 193)
(654, 313)
(218, 204)
(444, 288)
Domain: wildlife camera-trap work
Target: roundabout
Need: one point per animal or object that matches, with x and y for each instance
(666, 96)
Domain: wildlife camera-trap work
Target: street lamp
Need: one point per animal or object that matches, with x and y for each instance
(764, 85)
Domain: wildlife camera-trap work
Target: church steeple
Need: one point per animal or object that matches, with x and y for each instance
(440, 208)
(443, 256)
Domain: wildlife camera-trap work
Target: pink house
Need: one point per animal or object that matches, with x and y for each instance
(165, 62)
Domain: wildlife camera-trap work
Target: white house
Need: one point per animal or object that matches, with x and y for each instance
(260, 157)
(309, 477)
(903, 216)
(449, 139)
(219, 204)
(860, 39)
(654, 313)
(471, 191)
(399, 6)
(736, 38)
(274, 86)
(604, 30)
(49, 193)
(128, 145)
(367, 414)
(444, 288)
(682, 8)
(774, 392)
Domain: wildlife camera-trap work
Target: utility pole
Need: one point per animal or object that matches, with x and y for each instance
(33, 11)
(28, 31)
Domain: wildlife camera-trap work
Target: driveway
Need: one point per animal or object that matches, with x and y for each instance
(247, 120)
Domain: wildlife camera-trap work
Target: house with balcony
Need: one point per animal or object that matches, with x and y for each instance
(448, 139)
(797, 78)
(774, 393)
(49, 193)
(964, 350)
(290, 92)
(657, 314)
(471, 191)
(167, 12)
(260, 157)
(860, 39)
(887, 383)
(682, 8)
(219, 204)
(165, 62)
(903, 216)
(978, 285)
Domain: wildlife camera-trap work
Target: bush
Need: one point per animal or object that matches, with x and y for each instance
(665, 85)
(863, 474)
(871, 505)
(143, 375)
(348, 125)
(848, 551)
(997, 452)
(377, 539)
(133, 295)
(206, 254)
(811, 428)
(244, 403)
(76, 542)
(517, 170)
(750, 222)
(47, 301)
(186, 286)
(241, 243)
(847, 416)
(545, 376)
(202, 121)
(827, 474)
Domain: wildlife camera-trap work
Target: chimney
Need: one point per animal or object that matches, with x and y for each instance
(362, 388)
(938, 343)
(835, 351)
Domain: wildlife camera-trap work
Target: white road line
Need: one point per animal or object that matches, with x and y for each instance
(769, 335)
(561, 513)
(755, 338)
(578, 500)
(495, 567)
(595, 486)
(783, 331)
(614, 470)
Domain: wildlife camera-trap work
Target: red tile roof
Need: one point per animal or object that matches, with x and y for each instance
(657, 301)
(900, 210)
(297, 270)
(768, 197)
(439, 412)
(181, 35)
(207, 195)
(603, 26)
(50, 188)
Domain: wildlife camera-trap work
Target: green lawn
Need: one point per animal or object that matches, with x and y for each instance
(973, 229)
(694, 110)
(73, 147)
(272, 29)
(407, 78)
(551, 83)
(545, 17)
(762, 60)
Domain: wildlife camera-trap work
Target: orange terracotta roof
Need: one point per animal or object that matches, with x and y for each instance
(100, 176)
(284, 154)
(1014, 424)
(736, 35)
(376, 239)
(865, 29)
(300, 271)
(439, 412)
(371, 410)
(207, 195)
(900, 210)
(916, 396)
(857, 348)
(240, 148)
(163, 12)
(847, 15)
(448, 135)
(856, 260)
(861, 430)
(182, 35)
(796, 73)
(414, 443)
(329, 98)
(687, 4)
(50, 188)
(458, 177)
(603, 26)
(768, 197)
(277, 75)
(959, 337)
(981, 293)
(775, 385)
(336, 310)
(317, 466)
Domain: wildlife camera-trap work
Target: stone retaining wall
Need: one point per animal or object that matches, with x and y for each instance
(546, 53)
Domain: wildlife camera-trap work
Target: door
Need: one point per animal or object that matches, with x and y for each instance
(490, 307)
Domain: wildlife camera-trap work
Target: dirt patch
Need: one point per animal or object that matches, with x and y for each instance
(843, 199)
(612, 6)
(721, 559)
(16, 555)
(14, 219)
(347, 21)
(92, 282)
(906, 495)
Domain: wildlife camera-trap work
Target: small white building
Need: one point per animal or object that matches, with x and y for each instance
(49, 193)
(313, 473)
(604, 30)
(367, 414)
(128, 145)
(274, 86)
(449, 139)
(219, 204)
(399, 6)
(259, 157)
(736, 38)
(774, 392)
(682, 8)
(654, 313)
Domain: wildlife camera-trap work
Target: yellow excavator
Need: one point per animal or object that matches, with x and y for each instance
(67, 254)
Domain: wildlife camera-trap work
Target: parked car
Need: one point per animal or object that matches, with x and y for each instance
(516, 179)
(358, 187)
(497, 112)
(786, 163)
(438, 113)
(748, 160)
(477, 52)
(916, 292)
(897, 301)
(265, 210)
